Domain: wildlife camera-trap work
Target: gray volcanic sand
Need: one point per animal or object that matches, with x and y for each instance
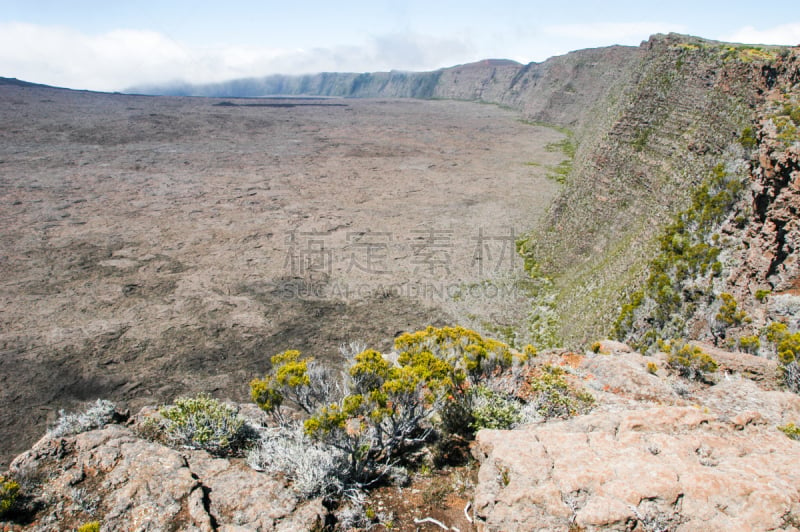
(158, 246)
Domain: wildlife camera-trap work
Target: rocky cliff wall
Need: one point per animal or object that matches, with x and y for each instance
(678, 118)
(560, 90)
(751, 243)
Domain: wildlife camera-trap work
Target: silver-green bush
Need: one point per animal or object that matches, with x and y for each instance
(312, 468)
(494, 410)
(202, 422)
(97, 415)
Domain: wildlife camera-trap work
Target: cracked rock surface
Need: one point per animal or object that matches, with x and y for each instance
(709, 459)
(133, 484)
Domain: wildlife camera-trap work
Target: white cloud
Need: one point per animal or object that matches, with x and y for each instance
(61, 56)
(788, 34)
(612, 32)
(126, 57)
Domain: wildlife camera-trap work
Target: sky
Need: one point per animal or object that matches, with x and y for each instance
(111, 45)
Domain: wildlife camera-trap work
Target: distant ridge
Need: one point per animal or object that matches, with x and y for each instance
(341, 84)
(14, 82)
(19, 83)
(559, 90)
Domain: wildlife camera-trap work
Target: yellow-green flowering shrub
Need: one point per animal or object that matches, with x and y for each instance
(689, 360)
(9, 490)
(386, 405)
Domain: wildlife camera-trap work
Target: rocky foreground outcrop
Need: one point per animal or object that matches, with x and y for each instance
(128, 483)
(656, 455)
(666, 468)
(658, 452)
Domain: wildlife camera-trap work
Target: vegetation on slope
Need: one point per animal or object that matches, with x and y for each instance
(628, 216)
(438, 384)
(682, 273)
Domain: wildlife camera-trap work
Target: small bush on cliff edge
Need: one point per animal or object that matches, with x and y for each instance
(550, 395)
(313, 469)
(787, 346)
(9, 490)
(202, 422)
(749, 344)
(791, 430)
(494, 410)
(97, 415)
(748, 138)
(689, 360)
(729, 314)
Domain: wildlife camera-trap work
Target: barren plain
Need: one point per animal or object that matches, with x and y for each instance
(156, 246)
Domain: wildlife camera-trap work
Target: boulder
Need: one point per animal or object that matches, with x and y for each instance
(673, 468)
(128, 483)
(646, 459)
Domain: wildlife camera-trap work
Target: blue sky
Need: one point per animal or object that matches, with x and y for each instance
(102, 45)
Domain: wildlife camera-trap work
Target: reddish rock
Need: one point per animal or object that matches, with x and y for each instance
(128, 483)
(711, 461)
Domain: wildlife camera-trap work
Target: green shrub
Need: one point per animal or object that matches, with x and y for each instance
(788, 132)
(202, 422)
(390, 405)
(652, 368)
(789, 348)
(729, 314)
(299, 380)
(748, 138)
(761, 295)
(787, 345)
(493, 410)
(791, 430)
(529, 352)
(787, 123)
(93, 526)
(690, 361)
(749, 344)
(387, 407)
(9, 490)
(775, 332)
(793, 112)
(548, 391)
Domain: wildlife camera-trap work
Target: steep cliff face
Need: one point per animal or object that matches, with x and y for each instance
(766, 258)
(680, 117)
(727, 264)
(563, 90)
